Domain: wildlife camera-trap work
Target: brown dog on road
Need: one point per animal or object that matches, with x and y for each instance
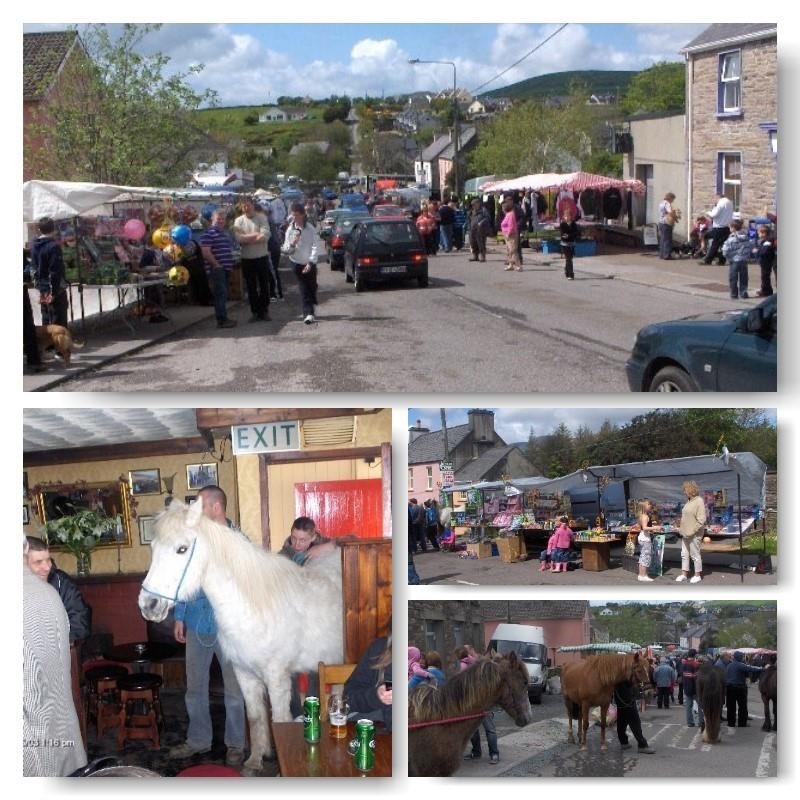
(59, 338)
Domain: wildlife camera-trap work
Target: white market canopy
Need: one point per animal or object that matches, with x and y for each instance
(601, 647)
(67, 199)
(573, 181)
(660, 481)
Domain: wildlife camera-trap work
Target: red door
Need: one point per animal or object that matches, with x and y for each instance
(342, 508)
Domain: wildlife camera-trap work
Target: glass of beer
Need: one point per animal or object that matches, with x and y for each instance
(337, 716)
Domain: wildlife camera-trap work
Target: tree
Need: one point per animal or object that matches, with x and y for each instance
(601, 162)
(662, 87)
(124, 120)
(251, 119)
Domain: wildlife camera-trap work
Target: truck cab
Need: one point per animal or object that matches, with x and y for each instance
(528, 643)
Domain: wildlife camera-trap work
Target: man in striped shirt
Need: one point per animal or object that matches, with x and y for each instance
(218, 254)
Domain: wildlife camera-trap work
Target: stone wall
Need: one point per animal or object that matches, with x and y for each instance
(710, 135)
(452, 620)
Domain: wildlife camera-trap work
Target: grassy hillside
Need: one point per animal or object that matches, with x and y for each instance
(225, 124)
(559, 83)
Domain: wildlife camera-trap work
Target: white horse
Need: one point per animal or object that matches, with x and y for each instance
(273, 617)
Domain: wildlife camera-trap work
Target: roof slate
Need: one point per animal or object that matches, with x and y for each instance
(430, 446)
(477, 468)
(534, 609)
(724, 32)
(42, 55)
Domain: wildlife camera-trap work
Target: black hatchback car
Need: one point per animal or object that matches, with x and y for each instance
(735, 351)
(381, 250)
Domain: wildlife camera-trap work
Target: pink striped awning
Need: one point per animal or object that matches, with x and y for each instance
(574, 181)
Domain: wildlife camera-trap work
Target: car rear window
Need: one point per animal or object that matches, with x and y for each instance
(392, 233)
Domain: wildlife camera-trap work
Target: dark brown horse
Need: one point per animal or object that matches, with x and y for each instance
(710, 699)
(591, 682)
(768, 686)
(455, 712)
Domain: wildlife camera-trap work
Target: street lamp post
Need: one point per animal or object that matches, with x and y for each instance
(455, 115)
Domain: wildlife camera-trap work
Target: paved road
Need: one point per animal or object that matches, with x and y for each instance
(450, 569)
(475, 328)
(541, 748)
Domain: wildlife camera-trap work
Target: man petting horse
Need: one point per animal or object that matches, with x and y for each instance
(625, 699)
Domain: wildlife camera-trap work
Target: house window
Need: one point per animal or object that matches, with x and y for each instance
(429, 478)
(433, 636)
(458, 634)
(729, 177)
(730, 83)
(410, 480)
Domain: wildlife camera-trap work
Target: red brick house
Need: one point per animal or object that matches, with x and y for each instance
(731, 114)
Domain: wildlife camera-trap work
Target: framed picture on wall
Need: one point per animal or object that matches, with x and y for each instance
(200, 475)
(145, 481)
(26, 514)
(146, 529)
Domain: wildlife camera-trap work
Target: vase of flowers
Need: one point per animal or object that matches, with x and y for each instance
(79, 533)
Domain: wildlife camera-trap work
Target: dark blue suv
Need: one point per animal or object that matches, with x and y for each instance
(734, 351)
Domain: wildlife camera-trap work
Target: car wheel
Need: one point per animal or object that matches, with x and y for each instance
(672, 379)
(422, 280)
(358, 282)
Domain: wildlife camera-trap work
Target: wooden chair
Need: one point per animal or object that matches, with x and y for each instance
(331, 675)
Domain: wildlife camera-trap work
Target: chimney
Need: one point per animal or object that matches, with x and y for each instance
(481, 423)
(417, 431)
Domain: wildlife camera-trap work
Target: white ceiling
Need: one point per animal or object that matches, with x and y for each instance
(53, 429)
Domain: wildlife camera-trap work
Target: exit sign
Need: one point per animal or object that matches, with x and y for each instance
(271, 437)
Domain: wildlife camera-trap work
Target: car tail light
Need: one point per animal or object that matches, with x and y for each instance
(337, 241)
(366, 261)
(417, 257)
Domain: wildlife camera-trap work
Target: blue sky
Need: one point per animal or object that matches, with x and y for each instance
(514, 424)
(255, 63)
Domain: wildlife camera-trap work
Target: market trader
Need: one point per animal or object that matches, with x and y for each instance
(196, 627)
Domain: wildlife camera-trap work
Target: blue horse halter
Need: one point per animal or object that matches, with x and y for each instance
(180, 582)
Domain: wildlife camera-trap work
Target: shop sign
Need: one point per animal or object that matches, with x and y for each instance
(448, 474)
(271, 437)
(650, 235)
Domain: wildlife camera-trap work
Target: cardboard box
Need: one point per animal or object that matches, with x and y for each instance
(480, 549)
(511, 549)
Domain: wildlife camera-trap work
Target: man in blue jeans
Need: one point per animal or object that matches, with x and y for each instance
(196, 626)
(690, 668)
(218, 254)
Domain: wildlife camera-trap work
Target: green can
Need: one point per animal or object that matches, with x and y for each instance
(311, 724)
(365, 745)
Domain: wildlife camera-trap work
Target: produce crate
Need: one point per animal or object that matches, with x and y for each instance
(511, 549)
(630, 563)
(480, 549)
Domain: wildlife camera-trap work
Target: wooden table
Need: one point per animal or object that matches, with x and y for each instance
(596, 555)
(140, 653)
(328, 758)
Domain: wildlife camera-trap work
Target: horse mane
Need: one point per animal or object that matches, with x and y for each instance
(470, 690)
(266, 580)
(610, 668)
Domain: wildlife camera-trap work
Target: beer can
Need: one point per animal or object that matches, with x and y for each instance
(311, 723)
(365, 749)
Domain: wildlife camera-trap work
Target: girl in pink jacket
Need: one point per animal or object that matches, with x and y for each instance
(414, 666)
(546, 556)
(511, 233)
(563, 536)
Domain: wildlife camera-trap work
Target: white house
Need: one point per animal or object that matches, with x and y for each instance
(277, 114)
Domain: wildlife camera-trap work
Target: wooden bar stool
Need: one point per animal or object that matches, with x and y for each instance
(140, 708)
(102, 702)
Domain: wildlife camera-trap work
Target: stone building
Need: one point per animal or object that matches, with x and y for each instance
(444, 625)
(732, 113)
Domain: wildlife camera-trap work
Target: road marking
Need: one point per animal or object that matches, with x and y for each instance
(765, 756)
(468, 583)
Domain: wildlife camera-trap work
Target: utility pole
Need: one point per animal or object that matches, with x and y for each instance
(444, 435)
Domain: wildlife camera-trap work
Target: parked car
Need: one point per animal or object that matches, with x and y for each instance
(353, 200)
(734, 351)
(333, 214)
(390, 210)
(380, 250)
(342, 229)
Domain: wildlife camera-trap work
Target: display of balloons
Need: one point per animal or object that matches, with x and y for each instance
(208, 210)
(156, 215)
(179, 276)
(134, 229)
(173, 253)
(161, 237)
(181, 234)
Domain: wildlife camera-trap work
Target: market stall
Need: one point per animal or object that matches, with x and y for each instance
(733, 486)
(104, 230)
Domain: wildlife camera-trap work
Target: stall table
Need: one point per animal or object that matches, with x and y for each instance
(596, 553)
(329, 757)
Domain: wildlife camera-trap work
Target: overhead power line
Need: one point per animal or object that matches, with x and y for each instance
(528, 54)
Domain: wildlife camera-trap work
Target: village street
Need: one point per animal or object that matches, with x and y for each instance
(541, 749)
(475, 328)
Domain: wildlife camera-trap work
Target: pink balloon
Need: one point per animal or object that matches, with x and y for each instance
(134, 229)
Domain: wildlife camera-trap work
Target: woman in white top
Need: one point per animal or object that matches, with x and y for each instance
(666, 221)
(301, 244)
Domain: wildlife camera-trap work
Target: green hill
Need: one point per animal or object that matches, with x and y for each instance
(558, 84)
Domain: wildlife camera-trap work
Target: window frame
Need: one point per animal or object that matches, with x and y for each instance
(410, 479)
(736, 199)
(429, 479)
(722, 111)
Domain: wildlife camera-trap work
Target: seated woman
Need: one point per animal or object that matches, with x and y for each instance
(305, 542)
(368, 690)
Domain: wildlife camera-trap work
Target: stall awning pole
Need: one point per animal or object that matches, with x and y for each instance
(741, 544)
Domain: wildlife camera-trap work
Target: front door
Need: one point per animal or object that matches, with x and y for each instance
(341, 508)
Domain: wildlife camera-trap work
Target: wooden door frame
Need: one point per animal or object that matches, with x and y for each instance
(265, 460)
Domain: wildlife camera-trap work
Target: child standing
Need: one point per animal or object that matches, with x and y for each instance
(563, 538)
(569, 235)
(416, 672)
(511, 233)
(546, 556)
(765, 252)
(737, 250)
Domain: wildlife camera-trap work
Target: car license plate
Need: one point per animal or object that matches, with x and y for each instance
(394, 269)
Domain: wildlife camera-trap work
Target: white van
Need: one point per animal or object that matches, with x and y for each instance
(527, 642)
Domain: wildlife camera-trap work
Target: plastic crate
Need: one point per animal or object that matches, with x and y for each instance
(585, 247)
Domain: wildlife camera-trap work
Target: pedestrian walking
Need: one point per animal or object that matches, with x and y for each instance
(459, 224)
(251, 230)
(431, 524)
(426, 225)
(664, 676)
(721, 216)
(667, 217)
(569, 235)
(511, 234)
(736, 249)
(301, 245)
(479, 227)
(447, 218)
(218, 255)
(689, 670)
(626, 700)
(48, 271)
(736, 690)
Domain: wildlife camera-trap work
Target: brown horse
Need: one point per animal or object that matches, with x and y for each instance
(768, 686)
(591, 682)
(710, 699)
(437, 750)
